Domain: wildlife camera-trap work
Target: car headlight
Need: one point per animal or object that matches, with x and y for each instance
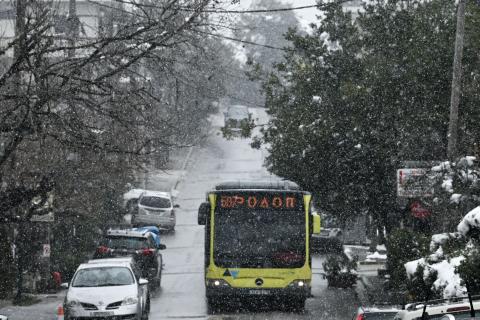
(217, 283)
(299, 284)
(72, 303)
(129, 300)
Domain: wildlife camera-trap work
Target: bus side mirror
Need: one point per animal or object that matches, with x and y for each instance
(203, 212)
(316, 223)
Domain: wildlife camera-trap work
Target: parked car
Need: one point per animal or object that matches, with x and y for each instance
(155, 208)
(130, 199)
(107, 289)
(376, 313)
(3, 317)
(236, 116)
(328, 240)
(464, 315)
(143, 244)
(436, 309)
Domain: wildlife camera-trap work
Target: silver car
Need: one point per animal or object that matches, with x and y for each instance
(155, 208)
(107, 290)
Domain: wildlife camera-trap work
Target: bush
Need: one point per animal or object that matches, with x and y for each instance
(420, 288)
(403, 246)
(340, 271)
(469, 269)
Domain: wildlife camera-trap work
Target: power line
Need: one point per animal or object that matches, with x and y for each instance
(263, 10)
(244, 41)
(318, 6)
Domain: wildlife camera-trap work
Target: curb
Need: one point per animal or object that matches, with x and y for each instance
(362, 291)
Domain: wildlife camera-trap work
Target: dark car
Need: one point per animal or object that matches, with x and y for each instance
(329, 240)
(236, 117)
(142, 244)
(376, 313)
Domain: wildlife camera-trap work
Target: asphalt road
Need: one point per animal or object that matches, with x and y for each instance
(182, 295)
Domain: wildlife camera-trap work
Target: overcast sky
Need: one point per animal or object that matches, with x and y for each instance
(305, 16)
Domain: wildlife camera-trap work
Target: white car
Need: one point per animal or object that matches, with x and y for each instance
(3, 317)
(107, 289)
(155, 208)
(437, 309)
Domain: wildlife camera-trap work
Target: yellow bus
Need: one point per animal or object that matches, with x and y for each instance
(257, 242)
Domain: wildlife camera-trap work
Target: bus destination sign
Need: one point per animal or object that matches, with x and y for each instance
(272, 201)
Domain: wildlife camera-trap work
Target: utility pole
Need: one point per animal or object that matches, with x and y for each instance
(452, 148)
(72, 27)
(18, 56)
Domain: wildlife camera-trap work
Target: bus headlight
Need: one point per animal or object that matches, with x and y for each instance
(217, 283)
(299, 284)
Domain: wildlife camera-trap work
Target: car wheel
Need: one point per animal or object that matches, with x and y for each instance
(147, 310)
(212, 306)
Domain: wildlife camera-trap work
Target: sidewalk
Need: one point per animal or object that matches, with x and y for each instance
(166, 179)
(45, 309)
(370, 287)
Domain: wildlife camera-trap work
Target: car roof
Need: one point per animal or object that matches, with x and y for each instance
(128, 233)
(121, 262)
(380, 309)
(160, 194)
(415, 310)
(133, 193)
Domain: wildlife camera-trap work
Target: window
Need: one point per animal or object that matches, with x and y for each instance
(103, 277)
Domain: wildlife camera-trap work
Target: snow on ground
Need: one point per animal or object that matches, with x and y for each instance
(471, 220)
(442, 166)
(455, 198)
(377, 256)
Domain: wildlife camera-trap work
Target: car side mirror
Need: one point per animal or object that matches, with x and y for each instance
(203, 211)
(161, 246)
(142, 281)
(176, 206)
(316, 223)
(64, 285)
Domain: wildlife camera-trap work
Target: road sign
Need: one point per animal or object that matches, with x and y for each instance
(419, 211)
(414, 183)
(46, 251)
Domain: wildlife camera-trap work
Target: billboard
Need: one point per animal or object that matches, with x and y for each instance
(414, 183)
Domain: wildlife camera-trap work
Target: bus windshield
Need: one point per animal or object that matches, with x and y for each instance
(259, 239)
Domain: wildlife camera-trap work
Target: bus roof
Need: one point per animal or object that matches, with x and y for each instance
(258, 185)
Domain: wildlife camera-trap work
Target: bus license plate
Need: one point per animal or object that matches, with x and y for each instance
(259, 292)
(102, 314)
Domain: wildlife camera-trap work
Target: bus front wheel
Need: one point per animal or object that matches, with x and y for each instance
(212, 306)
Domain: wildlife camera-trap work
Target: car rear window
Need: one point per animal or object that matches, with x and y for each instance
(380, 316)
(126, 243)
(155, 202)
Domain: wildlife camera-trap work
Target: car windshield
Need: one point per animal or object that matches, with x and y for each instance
(126, 242)
(253, 239)
(155, 202)
(103, 277)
